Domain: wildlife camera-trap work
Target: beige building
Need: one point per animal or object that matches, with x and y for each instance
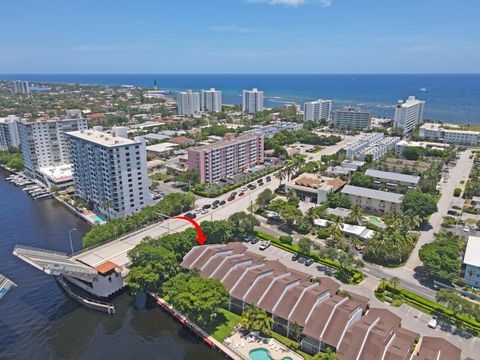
(314, 187)
(373, 200)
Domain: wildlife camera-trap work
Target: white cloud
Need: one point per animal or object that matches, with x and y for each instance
(231, 28)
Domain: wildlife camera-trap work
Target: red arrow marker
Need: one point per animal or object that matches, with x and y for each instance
(201, 237)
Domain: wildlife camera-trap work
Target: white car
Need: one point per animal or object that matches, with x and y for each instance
(204, 211)
(466, 229)
(433, 322)
(265, 244)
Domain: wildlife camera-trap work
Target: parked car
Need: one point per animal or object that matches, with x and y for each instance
(241, 194)
(301, 259)
(268, 178)
(253, 187)
(198, 211)
(231, 197)
(295, 257)
(214, 206)
(456, 207)
(309, 262)
(190, 215)
(249, 238)
(255, 240)
(216, 202)
(206, 206)
(265, 244)
(204, 211)
(233, 193)
(259, 181)
(452, 212)
(433, 322)
(221, 203)
(466, 229)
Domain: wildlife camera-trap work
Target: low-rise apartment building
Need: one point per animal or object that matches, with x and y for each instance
(110, 172)
(403, 144)
(227, 157)
(271, 129)
(314, 187)
(328, 319)
(373, 200)
(471, 260)
(393, 179)
(449, 134)
(374, 145)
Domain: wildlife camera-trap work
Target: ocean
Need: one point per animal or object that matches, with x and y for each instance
(449, 97)
(39, 321)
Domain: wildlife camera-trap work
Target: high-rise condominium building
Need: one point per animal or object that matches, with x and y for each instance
(44, 144)
(188, 103)
(350, 118)
(9, 132)
(21, 87)
(408, 114)
(211, 100)
(110, 172)
(252, 101)
(317, 110)
(227, 157)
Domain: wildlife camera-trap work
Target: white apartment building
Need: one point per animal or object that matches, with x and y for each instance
(374, 144)
(43, 143)
(211, 100)
(252, 101)
(9, 132)
(472, 262)
(351, 119)
(408, 114)
(317, 110)
(188, 103)
(270, 130)
(110, 172)
(21, 87)
(449, 134)
(373, 200)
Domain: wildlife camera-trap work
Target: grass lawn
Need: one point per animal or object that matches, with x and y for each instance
(224, 324)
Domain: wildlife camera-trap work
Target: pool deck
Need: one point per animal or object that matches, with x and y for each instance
(242, 347)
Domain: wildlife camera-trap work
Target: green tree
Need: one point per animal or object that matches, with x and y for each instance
(305, 245)
(196, 297)
(328, 355)
(360, 179)
(264, 198)
(412, 152)
(255, 319)
(335, 200)
(218, 232)
(143, 278)
(417, 203)
(243, 224)
(356, 215)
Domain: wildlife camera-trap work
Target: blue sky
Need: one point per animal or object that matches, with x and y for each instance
(239, 36)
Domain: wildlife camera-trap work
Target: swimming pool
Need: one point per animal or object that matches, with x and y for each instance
(375, 221)
(259, 354)
(97, 219)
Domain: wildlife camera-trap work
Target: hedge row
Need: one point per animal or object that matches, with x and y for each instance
(434, 307)
(199, 192)
(357, 278)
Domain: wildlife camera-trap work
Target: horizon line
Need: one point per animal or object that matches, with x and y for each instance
(200, 73)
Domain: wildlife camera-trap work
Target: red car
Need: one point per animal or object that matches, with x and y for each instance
(241, 194)
(230, 198)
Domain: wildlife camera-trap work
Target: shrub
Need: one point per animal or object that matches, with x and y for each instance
(286, 239)
(457, 192)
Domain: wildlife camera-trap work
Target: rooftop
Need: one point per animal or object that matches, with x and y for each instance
(315, 181)
(229, 139)
(472, 252)
(162, 147)
(373, 194)
(393, 176)
(101, 138)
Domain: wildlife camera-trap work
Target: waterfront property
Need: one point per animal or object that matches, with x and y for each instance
(227, 157)
(329, 320)
(110, 172)
(314, 187)
(393, 179)
(9, 132)
(44, 143)
(449, 134)
(188, 103)
(350, 118)
(317, 110)
(373, 200)
(211, 100)
(471, 260)
(252, 101)
(403, 144)
(408, 114)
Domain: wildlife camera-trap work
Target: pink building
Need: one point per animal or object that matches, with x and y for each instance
(226, 157)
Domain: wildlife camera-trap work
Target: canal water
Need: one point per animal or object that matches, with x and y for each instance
(37, 319)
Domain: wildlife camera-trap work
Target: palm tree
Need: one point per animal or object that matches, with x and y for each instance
(281, 175)
(394, 219)
(356, 214)
(257, 319)
(395, 281)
